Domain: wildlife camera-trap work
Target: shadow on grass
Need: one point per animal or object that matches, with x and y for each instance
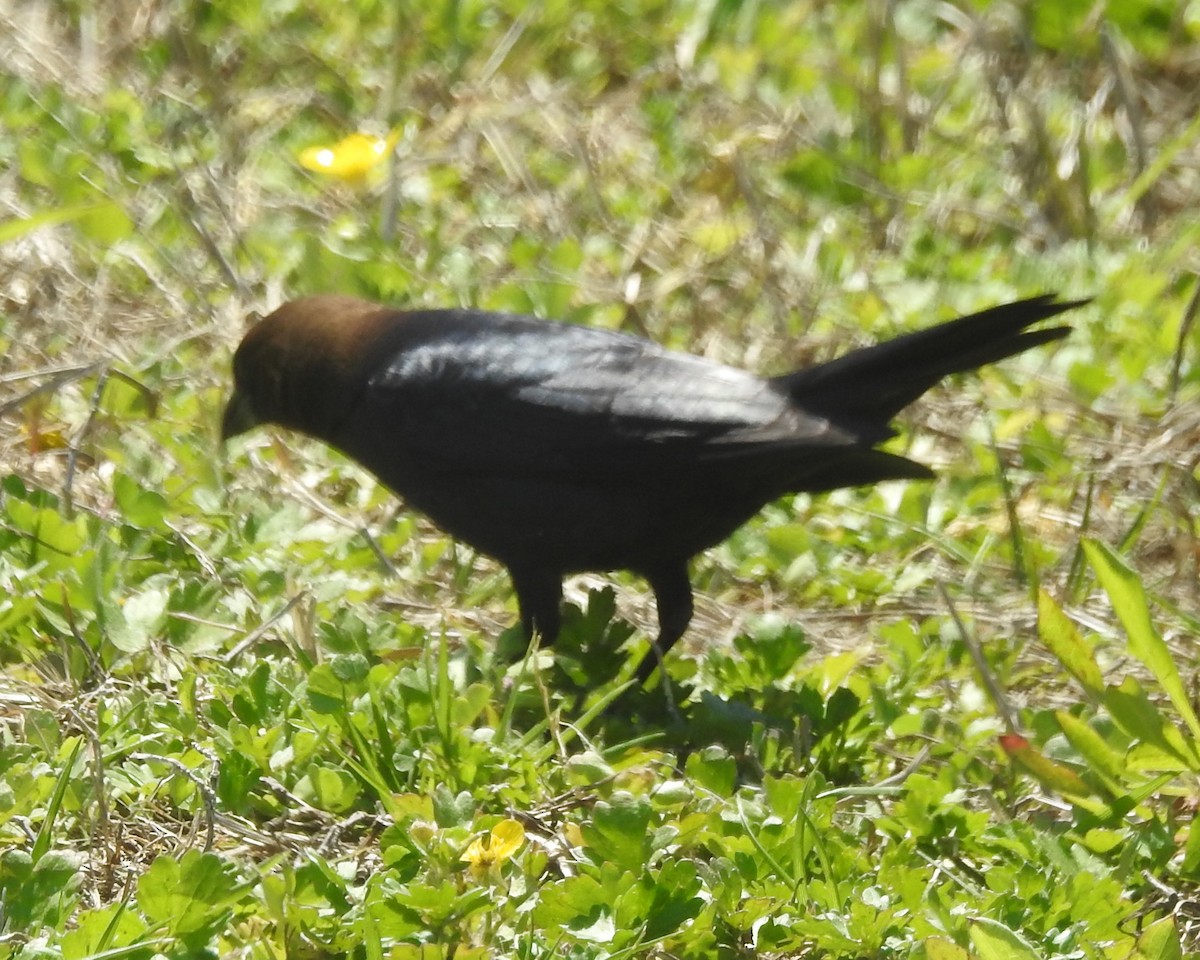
(761, 691)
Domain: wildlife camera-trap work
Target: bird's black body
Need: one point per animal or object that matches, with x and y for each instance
(557, 448)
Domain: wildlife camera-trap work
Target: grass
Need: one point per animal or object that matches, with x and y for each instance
(250, 707)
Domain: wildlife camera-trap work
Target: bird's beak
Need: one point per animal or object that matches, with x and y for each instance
(238, 418)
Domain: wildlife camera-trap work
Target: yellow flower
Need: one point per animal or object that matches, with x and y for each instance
(485, 852)
(350, 159)
(573, 834)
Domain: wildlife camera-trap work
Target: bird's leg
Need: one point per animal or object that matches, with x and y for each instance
(539, 596)
(673, 595)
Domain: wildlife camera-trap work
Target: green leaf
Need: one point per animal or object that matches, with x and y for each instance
(1160, 941)
(1067, 644)
(1054, 775)
(579, 904)
(588, 767)
(1191, 853)
(674, 897)
(939, 948)
(191, 897)
(993, 941)
(139, 619)
(619, 831)
(1134, 713)
(53, 887)
(237, 777)
(106, 931)
(714, 770)
(44, 892)
(327, 692)
(1105, 761)
(1128, 598)
(438, 902)
(1061, 24)
(328, 788)
(140, 507)
(450, 810)
(350, 668)
(106, 223)
(19, 227)
(56, 538)
(773, 647)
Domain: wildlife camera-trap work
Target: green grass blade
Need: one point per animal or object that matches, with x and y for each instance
(1125, 590)
(45, 835)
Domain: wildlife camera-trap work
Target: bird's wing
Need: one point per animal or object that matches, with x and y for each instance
(469, 390)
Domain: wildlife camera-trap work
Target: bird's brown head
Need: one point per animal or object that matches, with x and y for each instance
(304, 366)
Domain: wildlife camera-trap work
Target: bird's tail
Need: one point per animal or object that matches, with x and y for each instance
(873, 384)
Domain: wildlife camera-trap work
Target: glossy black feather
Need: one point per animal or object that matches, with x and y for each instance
(512, 394)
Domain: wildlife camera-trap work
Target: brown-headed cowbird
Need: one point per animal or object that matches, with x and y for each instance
(558, 448)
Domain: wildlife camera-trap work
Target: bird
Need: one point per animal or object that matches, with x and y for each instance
(557, 448)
